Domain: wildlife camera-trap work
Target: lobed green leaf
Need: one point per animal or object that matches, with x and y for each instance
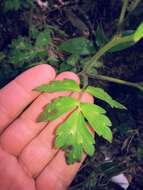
(102, 95)
(74, 137)
(78, 46)
(98, 121)
(57, 86)
(57, 108)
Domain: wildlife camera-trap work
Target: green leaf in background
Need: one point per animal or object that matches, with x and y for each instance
(57, 86)
(21, 43)
(102, 95)
(72, 59)
(57, 108)
(12, 5)
(74, 137)
(78, 46)
(52, 60)
(94, 108)
(138, 33)
(21, 51)
(64, 67)
(98, 121)
(101, 38)
(19, 57)
(43, 39)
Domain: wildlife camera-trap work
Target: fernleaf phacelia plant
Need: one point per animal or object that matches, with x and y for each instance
(74, 135)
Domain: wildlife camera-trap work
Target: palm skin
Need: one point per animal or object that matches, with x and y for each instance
(28, 160)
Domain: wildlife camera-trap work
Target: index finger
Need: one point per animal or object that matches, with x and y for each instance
(18, 94)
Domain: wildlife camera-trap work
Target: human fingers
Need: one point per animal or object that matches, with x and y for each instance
(18, 94)
(25, 128)
(40, 151)
(57, 175)
(12, 176)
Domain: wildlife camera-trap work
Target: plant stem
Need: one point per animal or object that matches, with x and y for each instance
(118, 81)
(116, 40)
(123, 12)
(104, 49)
(85, 79)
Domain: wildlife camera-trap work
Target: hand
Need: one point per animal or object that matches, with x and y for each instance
(28, 160)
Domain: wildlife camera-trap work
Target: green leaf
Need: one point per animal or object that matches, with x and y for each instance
(57, 86)
(74, 137)
(138, 33)
(52, 60)
(72, 59)
(19, 57)
(21, 51)
(10, 5)
(116, 104)
(57, 108)
(64, 67)
(94, 108)
(43, 39)
(101, 38)
(78, 46)
(102, 95)
(107, 134)
(98, 121)
(21, 43)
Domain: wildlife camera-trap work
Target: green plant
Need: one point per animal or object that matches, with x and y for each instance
(83, 58)
(72, 135)
(16, 4)
(31, 50)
